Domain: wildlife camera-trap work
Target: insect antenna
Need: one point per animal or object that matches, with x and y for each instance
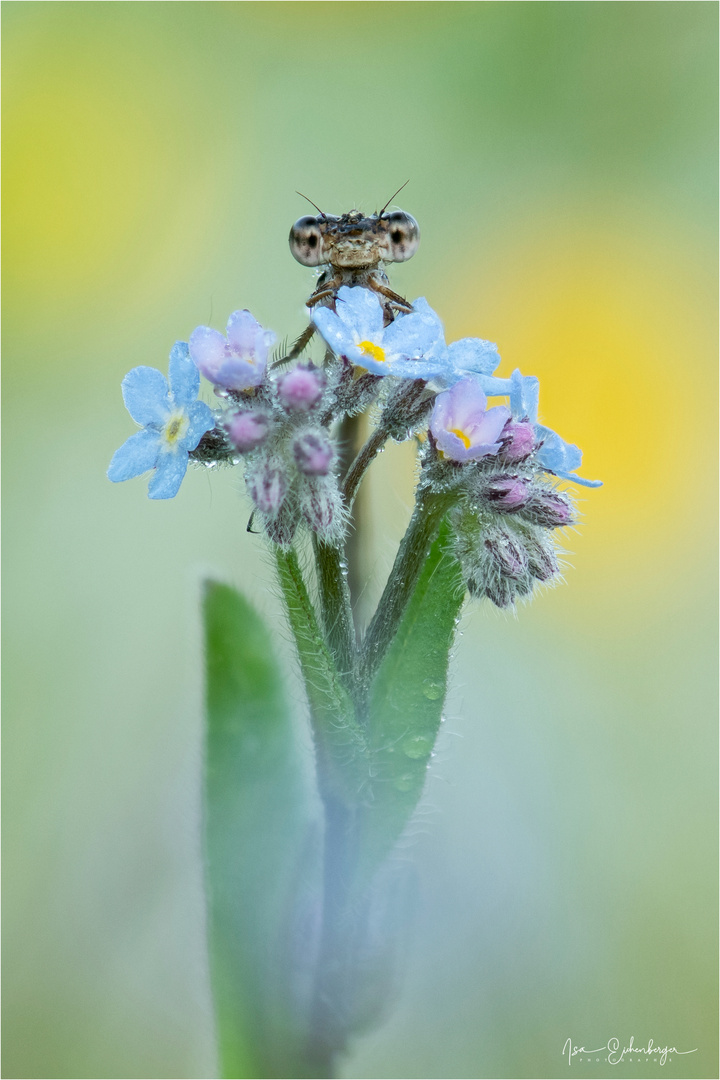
(321, 212)
(389, 200)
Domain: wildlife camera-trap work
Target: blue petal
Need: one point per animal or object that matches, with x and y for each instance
(492, 386)
(333, 330)
(171, 469)
(433, 320)
(183, 375)
(580, 480)
(201, 420)
(524, 396)
(136, 455)
(145, 393)
(474, 354)
(360, 310)
(413, 369)
(415, 335)
(560, 457)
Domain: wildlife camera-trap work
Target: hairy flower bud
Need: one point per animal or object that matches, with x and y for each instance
(282, 527)
(300, 389)
(248, 429)
(321, 506)
(313, 453)
(551, 509)
(542, 561)
(518, 438)
(267, 485)
(506, 551)
(507, 492)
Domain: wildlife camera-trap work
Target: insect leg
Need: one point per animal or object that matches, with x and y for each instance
(385, 291)
(323, 293)
(302, 342)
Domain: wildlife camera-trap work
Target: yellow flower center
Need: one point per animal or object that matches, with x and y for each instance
(461, 435)
(372, 350)
(175, 428)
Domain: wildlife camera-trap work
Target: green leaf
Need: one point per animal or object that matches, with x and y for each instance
(406, 701)
(260, 852)
(339, 740)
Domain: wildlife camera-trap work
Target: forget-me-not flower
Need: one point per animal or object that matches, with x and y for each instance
(235, 363)
(468, 356)
(462, 425)
(410, 347)
(173, 422)
(553, 453)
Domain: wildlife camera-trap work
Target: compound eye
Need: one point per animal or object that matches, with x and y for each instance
(306, 241)
(403, 233)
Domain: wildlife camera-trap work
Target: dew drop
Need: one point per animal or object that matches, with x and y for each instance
(417, 746)
(404, 783)
(432, 689)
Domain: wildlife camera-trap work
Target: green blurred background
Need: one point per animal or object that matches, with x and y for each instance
(562, 165)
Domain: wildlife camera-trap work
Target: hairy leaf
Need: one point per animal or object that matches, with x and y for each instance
(260, 853)
(406, 701)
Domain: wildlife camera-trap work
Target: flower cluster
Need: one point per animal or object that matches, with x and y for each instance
(499, 462)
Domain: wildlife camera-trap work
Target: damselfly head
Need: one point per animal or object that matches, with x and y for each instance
(354, 240)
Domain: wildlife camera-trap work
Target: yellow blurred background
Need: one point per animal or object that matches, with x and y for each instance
(562, 161)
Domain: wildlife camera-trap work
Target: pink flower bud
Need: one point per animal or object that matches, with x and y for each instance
(542, 562)
(518, 439)
(267, 486)
(248, 430)
(507, 553)
(313, 453)
(281, 528)
(549, 509)
(321, 506)
(508, 492)
(300, 389)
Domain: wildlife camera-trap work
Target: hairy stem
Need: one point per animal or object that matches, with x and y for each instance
(357, 470)
(430, 509)
(335, 606)
(350, 435)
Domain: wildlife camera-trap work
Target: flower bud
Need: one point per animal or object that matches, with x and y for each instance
(281, 528)
(518, 438)
(550, 509)
(501, 591)
(506, 552)
(300, 389)
(248, 429)
(313, 453)
(507, 492)
(267, 485)
(542, 562)
(321, 506)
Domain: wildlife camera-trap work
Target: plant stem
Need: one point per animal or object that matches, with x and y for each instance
(430, 509)
(340, 744)
(357, 470)
(350, 435)
(335, 606)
